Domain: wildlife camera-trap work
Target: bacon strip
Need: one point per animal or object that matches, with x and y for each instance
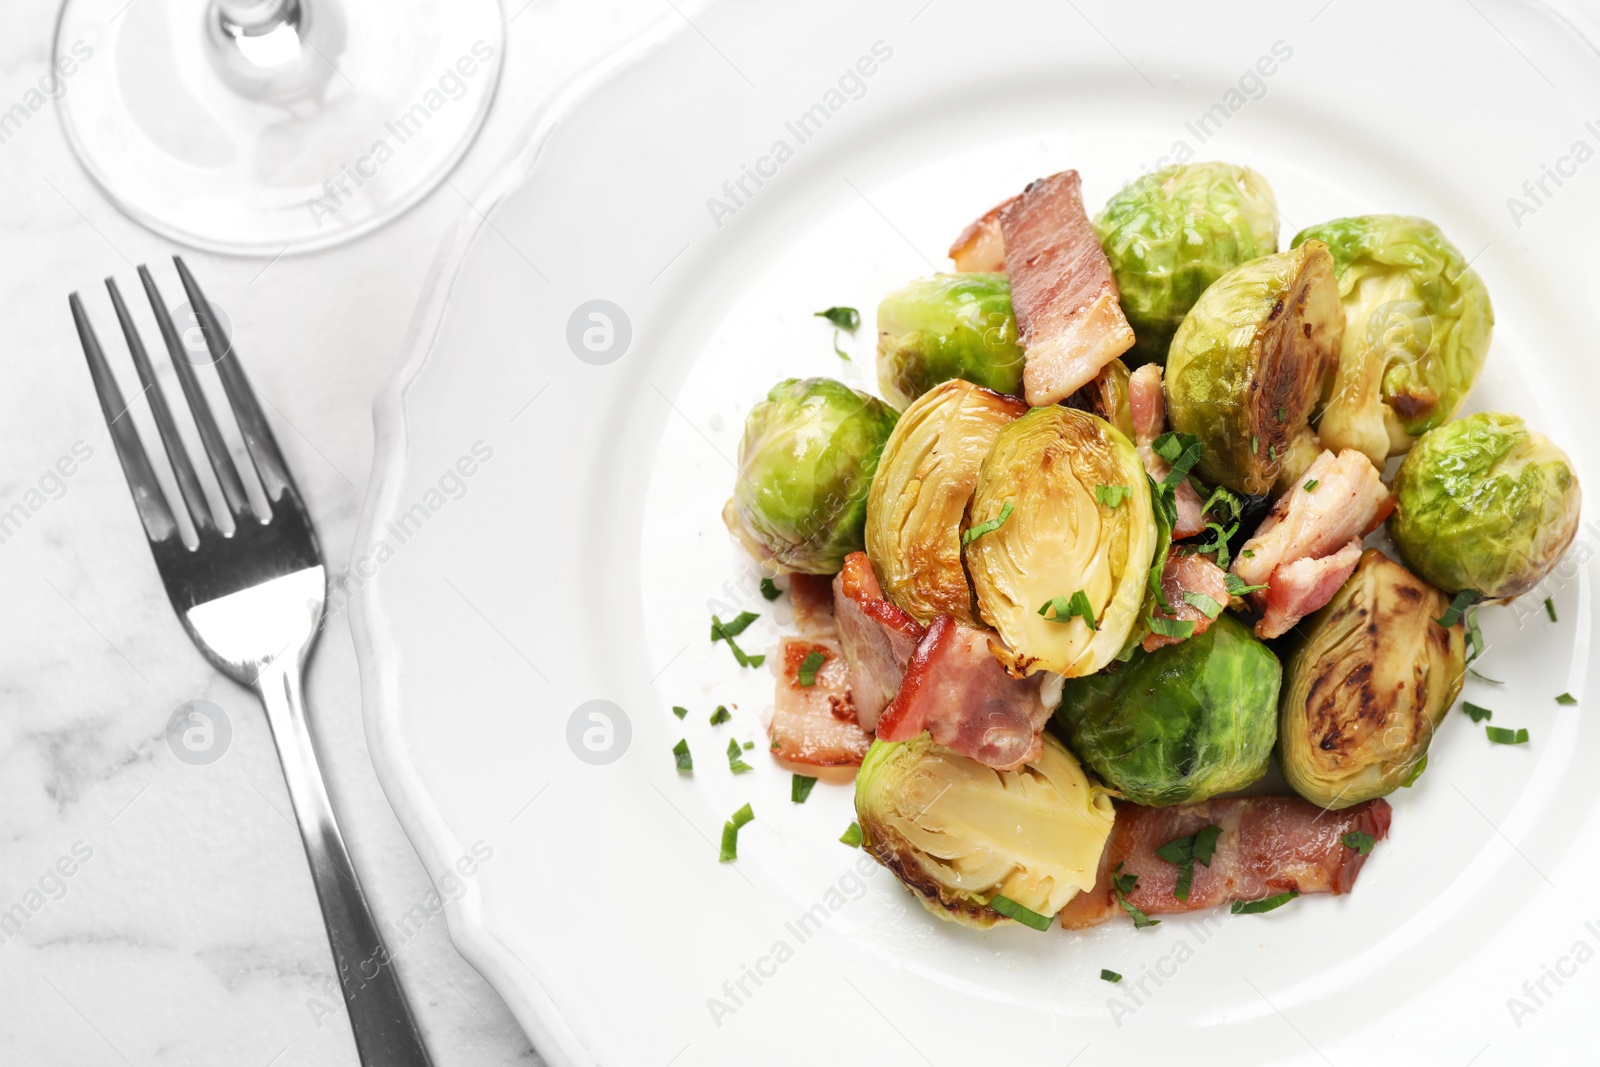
(1069, 315)
(814, 724)
(981, 246)
(878, 638)
(1188, 572)
(957, 690)
(1310, 543)
(1268, 845)
(1147, 403)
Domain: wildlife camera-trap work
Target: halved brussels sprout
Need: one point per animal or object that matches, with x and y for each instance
(1484, 504)
(1371, 681)
(1182, 723)
(919, 495)
(957, 833)
(1107, 396)
(805, 466)
(1249, 361)
(1065, 545)
(948, 326)
(1172, 233)
(1417, 323)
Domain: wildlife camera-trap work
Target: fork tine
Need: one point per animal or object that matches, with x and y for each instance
(210, 437)
(247, 413)
(182, 469)
(151, 503)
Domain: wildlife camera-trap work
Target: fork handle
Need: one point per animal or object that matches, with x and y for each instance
(386, 1035)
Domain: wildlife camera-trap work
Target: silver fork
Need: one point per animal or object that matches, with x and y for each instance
(252, 601)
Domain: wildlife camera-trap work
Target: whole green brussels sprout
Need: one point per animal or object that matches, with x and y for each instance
(1180, 724)
(957, 833)
(948, 326)
(1249, 362)
(1484, 504)
(1361, 701)
(1417, 324)
(806, 463)
(1172, 233)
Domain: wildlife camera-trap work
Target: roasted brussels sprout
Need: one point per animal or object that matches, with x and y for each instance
(957, 833)
(1107, 396)
(1417, 323)
(948, 326)
(1249, 362)
(1172, 233)
(1182, 723)
(1372, 679)
(1484, 504)
(1062, 578)
(919, 495)
(805, 466)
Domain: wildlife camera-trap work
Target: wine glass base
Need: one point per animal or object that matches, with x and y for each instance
(373, 104)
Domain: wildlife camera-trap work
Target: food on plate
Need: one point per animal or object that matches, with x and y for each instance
(1309, 544)
(1417, 325)
(948, 326)
(1062, 578)
(1180, 724)
(1371, 681)
(1062, 290)
(805, 466)
(1248, 363)
(1040, 598)
(1486, 506)
(958, 834)
(1267, 849)
(925, 478)
(1170, 234)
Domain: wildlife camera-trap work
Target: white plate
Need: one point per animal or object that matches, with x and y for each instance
(582, 558)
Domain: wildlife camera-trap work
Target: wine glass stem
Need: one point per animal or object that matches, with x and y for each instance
(255, 17)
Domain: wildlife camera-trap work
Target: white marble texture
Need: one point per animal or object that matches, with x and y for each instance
(191, 934)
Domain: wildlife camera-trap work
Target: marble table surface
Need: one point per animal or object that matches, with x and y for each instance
(170, 916)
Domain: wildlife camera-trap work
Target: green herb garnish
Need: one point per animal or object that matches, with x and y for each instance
(1566, 700)
(1110, 496)
(1208, 607)
(1012, 910)
(1182, 629)
(843, 318)
(730, 834)
(807, 674)
(1182, 852)
(681, 751)
(770, 590)
(725, 631)
(680, 712)
(1311, 485)
(1460, 604)
(1359, 840)
(1066, 608)
(1122, 885)
(1476, 712)
(1237, 587)
(720, 716)
(800, 788)
(1109, 976)
(736, 762)
(1257, 907)
(1550, 609)
(973, 533)
(1255, 445)
(852, 835)
(1502, 736)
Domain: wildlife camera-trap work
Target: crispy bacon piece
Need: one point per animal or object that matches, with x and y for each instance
(1147, 403)
(811, 600)
(1066, 301)
(878, 638)
(1188, 572)
(1306, 548)
(1268, 845)
(815, 724)
(957, 690)
(981, 247)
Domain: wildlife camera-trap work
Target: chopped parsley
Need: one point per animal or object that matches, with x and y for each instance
(1208, 607)
(1255, 445)
(680, 712)
(1066, 608)
(1475, 645)
(1484, 677)
(1476, 712)
(1459, 605)
(1110, 496)
(800, 788)
(1182, 629)
(1281, 414)
(721, 715)
(1566, 700)
(681, 751)
(1109, 976)
(1311, 485)
(1272, 452)
(1257, 907)
(736, 762)
(1250, 553)
(807, 674)
(748, 745)
(843, 318)
(770, 590)
(1550, 609)
(730, 834)
(970, 535)
(1237, 586)
(1012, 910)
(1182, 852)
(1122, 885)
(1181, 451)
(725, 631)
(1502, 736)
(852, 835)
(1359, 840)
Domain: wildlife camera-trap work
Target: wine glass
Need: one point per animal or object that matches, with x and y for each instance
(273, 126)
